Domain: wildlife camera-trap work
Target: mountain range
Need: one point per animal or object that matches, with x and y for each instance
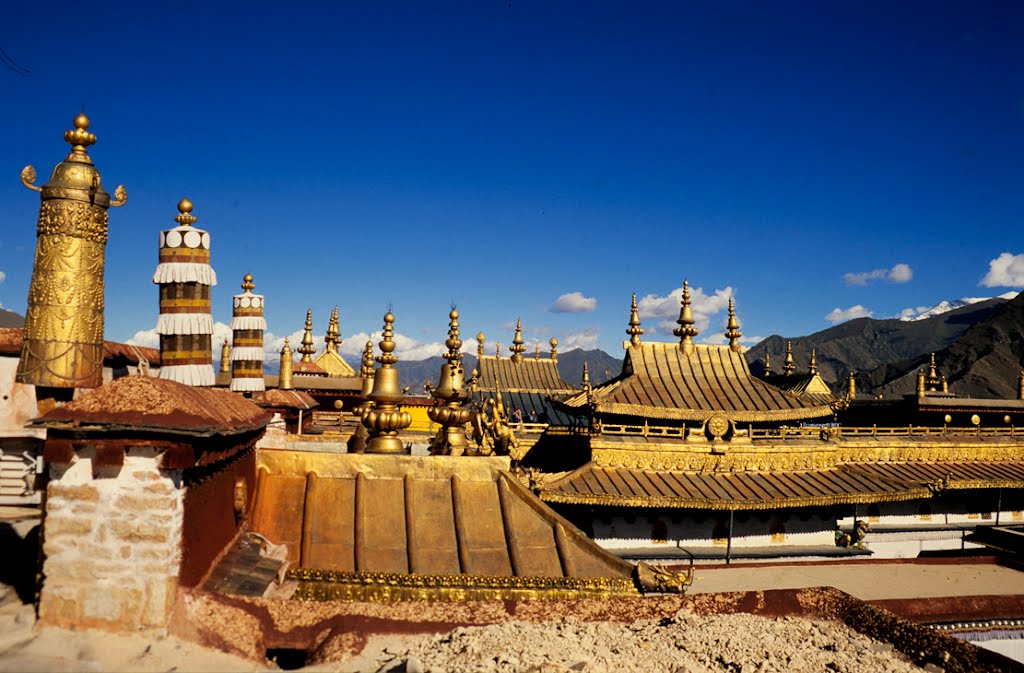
(979, 347)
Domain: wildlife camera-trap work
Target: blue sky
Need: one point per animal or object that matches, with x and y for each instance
(809, 158)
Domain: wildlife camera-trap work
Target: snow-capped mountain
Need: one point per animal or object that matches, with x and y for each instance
(924, 312)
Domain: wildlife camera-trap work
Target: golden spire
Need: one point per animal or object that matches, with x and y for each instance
(450, 395)
(851, 386)
(933, 382)
(333, 332)
(384, 420)
(1020, 386)
(767, 363)
(813, 369)
(497, 349)
(185, 217)
(306, 346)
(788, 367)
(517, 346)
(284, 379)
(554, 349)
(586, 377)
(733, 332)
(366, 370)
(536, 351)
(945, 384)
(686, 331)
(920, 383)
(480, 338)
(634, 330)
(225, 357)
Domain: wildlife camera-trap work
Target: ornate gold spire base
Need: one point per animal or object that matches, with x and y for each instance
(384, 420)
(63, 344)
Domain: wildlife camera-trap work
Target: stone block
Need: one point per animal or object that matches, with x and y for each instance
(141, 503)
(67, 524)
(86, 492)
(57, 609)
(159, 601)
(159, 488)
(136, 531)
(102, 603)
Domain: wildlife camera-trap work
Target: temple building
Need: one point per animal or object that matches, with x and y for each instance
(808, 385)
(185, 325)
(330, 360)
(523, 388)
(686, 450)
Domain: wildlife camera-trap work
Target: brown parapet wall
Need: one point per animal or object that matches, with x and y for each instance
(954, 608)
(335, 631)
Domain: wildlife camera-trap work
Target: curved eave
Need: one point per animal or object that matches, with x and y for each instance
(687, 503)
(739, 416)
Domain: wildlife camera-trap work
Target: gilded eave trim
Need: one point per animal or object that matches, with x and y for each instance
(688, 503)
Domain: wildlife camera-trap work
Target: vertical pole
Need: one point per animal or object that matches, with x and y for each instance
(999, 504)
(728, 542)
(299, 432)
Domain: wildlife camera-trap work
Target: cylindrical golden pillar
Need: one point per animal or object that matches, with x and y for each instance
(63, 344)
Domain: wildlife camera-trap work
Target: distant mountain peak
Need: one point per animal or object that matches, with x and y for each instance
(945, 306)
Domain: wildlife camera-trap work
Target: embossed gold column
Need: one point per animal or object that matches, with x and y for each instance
(63, 346)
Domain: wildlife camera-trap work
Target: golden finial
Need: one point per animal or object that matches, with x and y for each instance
(586, 376)
(185, 217)
(517, 346)
(284, 379)
(767, 363)
(945, 384)
(733, 332)
(384, 419)
(387, 344)
(306, 346)
(933, 382)
(247, 283)
(480, 338)
(453, 342)
(366, 370)
(1020, 386)
(634, 330)
(497, 349)
(79, 137)
(813, 369)
(333, 331)
(536, 351)
(225, 357)
(920, 383)
(554, 349)
(788, 367)
(686, 331)
(851, 386)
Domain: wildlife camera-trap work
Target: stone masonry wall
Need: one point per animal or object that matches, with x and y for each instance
(112, 544)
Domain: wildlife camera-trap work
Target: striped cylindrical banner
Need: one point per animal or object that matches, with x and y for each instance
(247, 326)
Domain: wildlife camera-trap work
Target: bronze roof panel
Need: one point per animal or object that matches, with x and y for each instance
(528, 375)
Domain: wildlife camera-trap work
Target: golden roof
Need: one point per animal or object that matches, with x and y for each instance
(348, 520)
(529, 375)
(662, 381)
(332, 363)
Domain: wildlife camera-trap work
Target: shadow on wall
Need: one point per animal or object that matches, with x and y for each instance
(18, 560)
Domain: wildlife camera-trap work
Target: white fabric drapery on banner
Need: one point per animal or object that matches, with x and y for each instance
(248, 322)
(190, 375)
(247, 385)
(184, 272)
(250, 353)
(184, 323)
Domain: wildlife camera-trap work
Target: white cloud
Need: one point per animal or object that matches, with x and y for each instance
(585, 339)
(3, 276)
(667, 308)
(573, 302)
(718, 339)
(838, 315)
(147, 338)
(899, 273)
(406, 348)
(911, 313)
(1006, 270)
